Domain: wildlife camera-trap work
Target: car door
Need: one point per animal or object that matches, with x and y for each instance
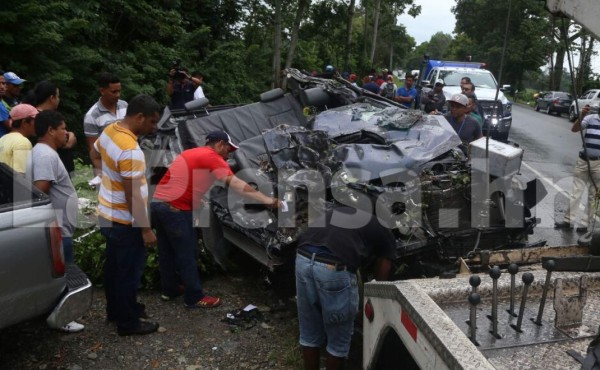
(585, 99)
(594, 99)
(546, 101)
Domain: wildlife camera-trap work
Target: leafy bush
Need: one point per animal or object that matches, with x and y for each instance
(90, 256)
(90, 246)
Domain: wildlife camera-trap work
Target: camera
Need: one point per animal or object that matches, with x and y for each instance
(180, 73)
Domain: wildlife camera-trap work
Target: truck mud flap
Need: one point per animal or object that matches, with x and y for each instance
(76, 301)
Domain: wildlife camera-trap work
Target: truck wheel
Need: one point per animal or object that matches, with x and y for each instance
(213, 239)
(502, 136)
(572, 115)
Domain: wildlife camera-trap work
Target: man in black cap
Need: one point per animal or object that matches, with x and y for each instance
(178, 193)
(435, 99)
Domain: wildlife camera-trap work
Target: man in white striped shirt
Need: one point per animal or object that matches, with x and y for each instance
(123, 213)
(108, 109)
(591, 152)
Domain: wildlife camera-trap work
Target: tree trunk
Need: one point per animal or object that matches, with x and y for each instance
(349, 35)
(375, 27)
(391, 67)
(581, 67)
(365, 29)
(302, 6)
(587, 48)
(277, 44)
(558, 67)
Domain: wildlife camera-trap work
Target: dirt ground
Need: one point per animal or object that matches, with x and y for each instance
(187, 339)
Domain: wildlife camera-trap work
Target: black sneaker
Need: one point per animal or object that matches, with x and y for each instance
(145, 327)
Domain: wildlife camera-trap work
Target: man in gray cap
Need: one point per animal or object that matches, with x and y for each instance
(178, 193)
(465, 126)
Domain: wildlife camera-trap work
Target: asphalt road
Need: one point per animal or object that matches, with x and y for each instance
(550, 153)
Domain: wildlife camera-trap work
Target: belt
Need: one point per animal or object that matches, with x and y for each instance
(591, 158)
(171, 208)
(331, 263)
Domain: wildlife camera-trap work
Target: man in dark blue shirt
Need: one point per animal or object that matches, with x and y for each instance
(465, 126)
(407, 94)
(180, 88)
(370, 85)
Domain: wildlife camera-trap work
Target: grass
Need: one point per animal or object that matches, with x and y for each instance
(87, 210)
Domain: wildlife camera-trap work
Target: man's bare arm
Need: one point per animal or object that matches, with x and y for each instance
(96, 160)
(383, 266)
(43, 185)
(241, 187)
(138, 208)
(577, 125)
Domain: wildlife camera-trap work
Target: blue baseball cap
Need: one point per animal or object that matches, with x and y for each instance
(13, 79)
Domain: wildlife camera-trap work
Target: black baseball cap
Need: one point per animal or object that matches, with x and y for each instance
(221, 136)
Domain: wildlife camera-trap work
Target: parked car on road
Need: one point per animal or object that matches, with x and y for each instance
(554, 102)
(591, 97)
(34, 279)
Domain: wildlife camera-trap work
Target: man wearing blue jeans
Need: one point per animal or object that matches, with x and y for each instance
(181, 190)
(123, 214)
(329, 253)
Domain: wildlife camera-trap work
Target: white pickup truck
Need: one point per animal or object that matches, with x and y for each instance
(34, 279)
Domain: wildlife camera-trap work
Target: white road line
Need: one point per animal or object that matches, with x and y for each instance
(540, 176)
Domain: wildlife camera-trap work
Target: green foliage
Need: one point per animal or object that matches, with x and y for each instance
(90, 246)
(483, 24)
(90, 256)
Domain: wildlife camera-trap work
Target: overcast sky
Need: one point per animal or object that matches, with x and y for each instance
(436, 16)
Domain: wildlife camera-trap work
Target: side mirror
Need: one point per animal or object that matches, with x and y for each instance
(505, 87)
(426, 83)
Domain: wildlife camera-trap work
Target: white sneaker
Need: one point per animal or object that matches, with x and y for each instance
(73, 327)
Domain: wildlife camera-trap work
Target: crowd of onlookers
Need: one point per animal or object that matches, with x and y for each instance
(462, 111)
(112, 127)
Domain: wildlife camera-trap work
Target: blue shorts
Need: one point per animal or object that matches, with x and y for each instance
(327, 305)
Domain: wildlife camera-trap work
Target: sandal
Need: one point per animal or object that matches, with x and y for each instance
(206, 302)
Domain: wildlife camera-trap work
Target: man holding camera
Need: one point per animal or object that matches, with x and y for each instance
(181, 87)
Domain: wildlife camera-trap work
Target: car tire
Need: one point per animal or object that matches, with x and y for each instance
(572, 115)
(213, 239)
(501, 136)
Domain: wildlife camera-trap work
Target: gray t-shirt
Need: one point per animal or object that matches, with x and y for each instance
(45, 164)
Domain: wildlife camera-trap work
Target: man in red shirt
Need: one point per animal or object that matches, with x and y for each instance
(188, 178)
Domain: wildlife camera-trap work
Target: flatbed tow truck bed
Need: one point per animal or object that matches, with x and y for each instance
(431, 318)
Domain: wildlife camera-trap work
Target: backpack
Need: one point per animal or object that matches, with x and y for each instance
(389, 91)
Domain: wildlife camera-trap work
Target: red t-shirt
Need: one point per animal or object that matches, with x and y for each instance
(190, 176)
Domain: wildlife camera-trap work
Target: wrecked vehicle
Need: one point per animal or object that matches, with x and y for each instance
(326, 140)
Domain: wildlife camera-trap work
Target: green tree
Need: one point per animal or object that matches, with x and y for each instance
(484, 23)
